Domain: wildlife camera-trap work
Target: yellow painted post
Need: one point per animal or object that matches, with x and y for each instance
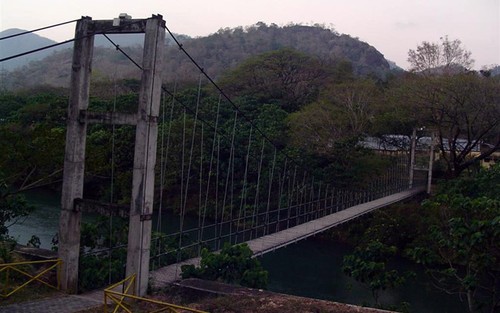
(6, 288)
(58, 278)
(105, 301)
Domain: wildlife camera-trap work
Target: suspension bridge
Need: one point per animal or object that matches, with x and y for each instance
(198, 155)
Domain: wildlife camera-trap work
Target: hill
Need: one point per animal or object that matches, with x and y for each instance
(20, 44)
(216, 53)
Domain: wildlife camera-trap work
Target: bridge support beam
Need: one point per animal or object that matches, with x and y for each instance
(141, 206)
(74, 159)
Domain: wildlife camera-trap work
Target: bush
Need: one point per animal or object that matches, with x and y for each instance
(234, 265)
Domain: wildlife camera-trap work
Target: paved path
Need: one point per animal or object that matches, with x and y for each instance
(265, 244)
(58, 304)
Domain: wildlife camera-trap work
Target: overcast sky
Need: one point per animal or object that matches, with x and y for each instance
(391, 26)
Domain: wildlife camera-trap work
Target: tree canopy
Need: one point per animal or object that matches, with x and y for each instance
(461, 106)
(447, 56)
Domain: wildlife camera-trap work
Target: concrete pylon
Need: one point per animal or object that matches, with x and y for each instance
(74, 159)
(141, 206)
(146, 119)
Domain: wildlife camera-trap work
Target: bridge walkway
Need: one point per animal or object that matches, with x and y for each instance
(268, 243)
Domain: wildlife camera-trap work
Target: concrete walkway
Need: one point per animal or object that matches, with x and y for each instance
(58, 304)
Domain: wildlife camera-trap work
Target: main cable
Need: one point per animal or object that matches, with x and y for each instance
(39, 49)
(38, 29)
(63, 42)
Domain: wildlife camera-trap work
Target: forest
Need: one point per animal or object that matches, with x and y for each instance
(315, 111)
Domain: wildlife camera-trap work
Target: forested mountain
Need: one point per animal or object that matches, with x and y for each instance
(21, 44)
(216, 53)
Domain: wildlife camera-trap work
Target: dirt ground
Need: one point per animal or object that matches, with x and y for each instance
(217, 297)
(222, 298)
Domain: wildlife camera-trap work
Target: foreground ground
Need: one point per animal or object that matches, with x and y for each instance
(220, 298)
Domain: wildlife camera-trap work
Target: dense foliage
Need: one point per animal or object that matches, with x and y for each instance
(461, 249)
(368, 265)
(233, 264)
(454, 235)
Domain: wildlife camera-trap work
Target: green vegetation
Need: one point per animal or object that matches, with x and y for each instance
(461, 249)
(454, 235)
(234, 265)
(368, 265)
(12, 208)
(313, 105)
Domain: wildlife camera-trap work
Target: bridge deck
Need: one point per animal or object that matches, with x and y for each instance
(285, 237)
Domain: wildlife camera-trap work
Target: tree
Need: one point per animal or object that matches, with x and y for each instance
(368, 265)
(463, 110)
(285, 77)
(462, 106)
(461, 249)
(447, 56)
(234, 264)
(342, 112)
(12, 208)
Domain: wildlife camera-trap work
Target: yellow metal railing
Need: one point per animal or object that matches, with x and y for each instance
(17, 267)
(128, 289)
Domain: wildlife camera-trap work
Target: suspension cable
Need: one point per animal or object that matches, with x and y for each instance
(64, 42)
(113, 164)
(117, 47)
(38, 29)
(201, 69)
(37, 50)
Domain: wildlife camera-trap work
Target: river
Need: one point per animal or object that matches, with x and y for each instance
(315, 271)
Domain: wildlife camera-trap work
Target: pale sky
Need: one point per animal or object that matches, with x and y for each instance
(391, 26)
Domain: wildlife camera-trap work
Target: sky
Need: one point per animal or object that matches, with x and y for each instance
(391, 26)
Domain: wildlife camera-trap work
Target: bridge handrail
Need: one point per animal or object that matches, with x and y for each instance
(7, 267)
(128, 284)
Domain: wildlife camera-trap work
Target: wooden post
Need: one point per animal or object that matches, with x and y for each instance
(141, 207)
(74, 159)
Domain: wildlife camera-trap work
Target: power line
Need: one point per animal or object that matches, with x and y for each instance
(123, 52)
(64, 42)
(37, 50)
(38, 29)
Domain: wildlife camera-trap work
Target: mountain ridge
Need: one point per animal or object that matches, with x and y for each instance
(217, 52)
(16, 45)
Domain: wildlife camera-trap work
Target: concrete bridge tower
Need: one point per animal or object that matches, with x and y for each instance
(145, 121)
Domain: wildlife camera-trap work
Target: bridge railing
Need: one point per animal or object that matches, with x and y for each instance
(251, 223)
(122, 298)
(17, 275)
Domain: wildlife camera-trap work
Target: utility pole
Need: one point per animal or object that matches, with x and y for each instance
(431, 162)
(145, 120)
(413, 146)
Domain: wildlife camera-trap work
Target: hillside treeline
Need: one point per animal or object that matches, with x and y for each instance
(216, 53)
